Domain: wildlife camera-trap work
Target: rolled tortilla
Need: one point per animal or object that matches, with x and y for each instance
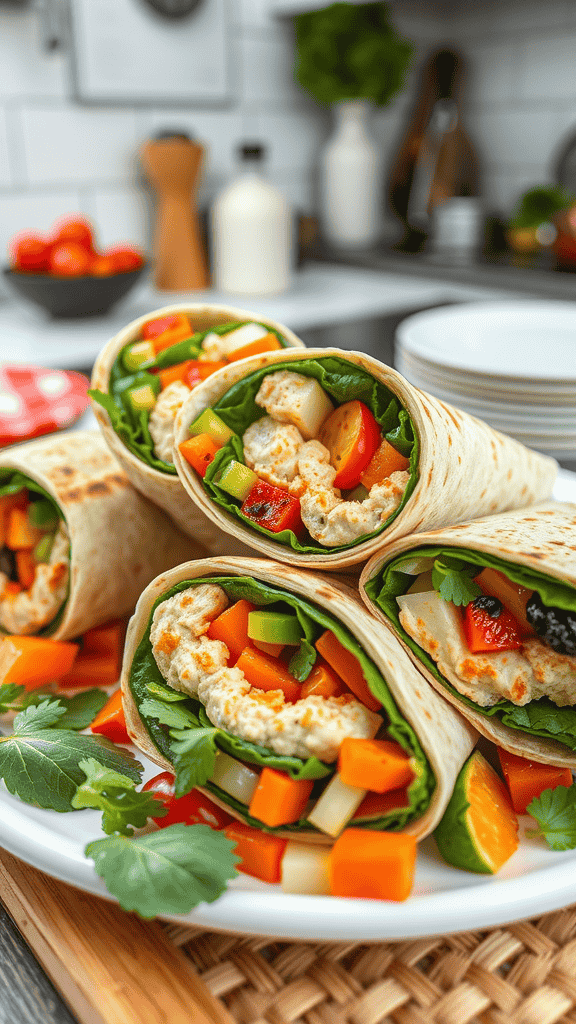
(163, 487)
(119, 541)
(443, 737)
(459, 466)
(534, 548)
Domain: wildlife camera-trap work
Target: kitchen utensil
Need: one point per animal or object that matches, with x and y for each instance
(73, 296)
(173, 163)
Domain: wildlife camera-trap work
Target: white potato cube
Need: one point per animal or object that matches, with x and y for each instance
(294, 398)
(234, 778)
(306, 869)
(332, 812)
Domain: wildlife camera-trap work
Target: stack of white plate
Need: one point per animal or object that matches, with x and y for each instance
(512, 364)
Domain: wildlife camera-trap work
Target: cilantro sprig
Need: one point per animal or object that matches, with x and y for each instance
(454, 581)
(116, 796)
(555, 812)
(193, 745)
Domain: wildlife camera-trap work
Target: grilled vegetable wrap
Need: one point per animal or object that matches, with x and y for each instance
(446, 465)
(140, 438)
(487, 611)
(97, 542)
(435, 738)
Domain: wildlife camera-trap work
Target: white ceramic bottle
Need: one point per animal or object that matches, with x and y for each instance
(351, 179)
(251, 233)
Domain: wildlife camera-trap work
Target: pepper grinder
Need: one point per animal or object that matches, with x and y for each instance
(172, 163)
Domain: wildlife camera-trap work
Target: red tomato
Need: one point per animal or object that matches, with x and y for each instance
(487, 633)
(74, 229)
(102, 266)
(351, 435)
(125, 258)
(29, 252)
(192, 809)
(272, 508)
(154, 328)
(69, 259)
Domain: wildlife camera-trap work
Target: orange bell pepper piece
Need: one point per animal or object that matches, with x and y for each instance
(25, 567)
(199, 452)
(269, 343)
(20, 533)
(385, 461)
(91, 669)
(231, 627)
(323, 681)
(347, 667)
(266, 673)
(172, 336)
(31, 661)
(110, 721)
(106, 639)
(527, 779)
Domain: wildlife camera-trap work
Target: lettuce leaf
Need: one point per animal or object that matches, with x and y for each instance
(313, 621)
(343, 381)
(539, 717)
(132, 425)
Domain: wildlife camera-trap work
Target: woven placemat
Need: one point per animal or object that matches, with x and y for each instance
(523, 973)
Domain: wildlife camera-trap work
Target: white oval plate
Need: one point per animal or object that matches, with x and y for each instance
(525, 339)
(535, 880)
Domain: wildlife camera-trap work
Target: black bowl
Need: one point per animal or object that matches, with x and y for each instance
(73, 296)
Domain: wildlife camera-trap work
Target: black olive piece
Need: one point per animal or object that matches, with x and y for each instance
(491, 605)
(555, 626)
(8, 563)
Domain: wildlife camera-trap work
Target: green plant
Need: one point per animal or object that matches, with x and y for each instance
(350, 51)
(539, 205)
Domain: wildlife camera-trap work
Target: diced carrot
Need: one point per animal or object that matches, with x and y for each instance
(110, 721)
(385, 461)
(106, 639)
(373, 865)
(379, 765)
(91, 670)
(173, 373)
(261, 853)
(347, 667)
(323, 681)
(199, 451)
(526, 779)
(31, 661)
(231, 627)
(154, 328)
(278, 799)
(376, 805)
(274, 650)
(7, 503)
(267, 673)
(172, 336)
(25, 567)
(20, 532)
(269, 343)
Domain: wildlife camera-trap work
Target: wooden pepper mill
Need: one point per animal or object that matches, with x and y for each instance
(172, 164)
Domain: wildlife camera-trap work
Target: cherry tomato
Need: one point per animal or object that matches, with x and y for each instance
(102, 266)
(351, 435)
(125, 258)
(75, 229)
(192, 809)
(29, 252)
(69, 259)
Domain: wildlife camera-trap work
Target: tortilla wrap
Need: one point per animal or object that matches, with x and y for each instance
(537, 546)
(163, 488)
(118, 540)
(445, 738)
(459, 466)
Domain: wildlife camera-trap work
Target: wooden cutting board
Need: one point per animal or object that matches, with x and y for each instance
(109, 966)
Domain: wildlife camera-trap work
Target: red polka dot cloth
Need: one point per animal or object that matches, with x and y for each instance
(35, 400)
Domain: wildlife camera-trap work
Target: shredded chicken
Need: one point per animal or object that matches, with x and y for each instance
(33, 609)
(161, 422)
(192, 663)
(271, 450)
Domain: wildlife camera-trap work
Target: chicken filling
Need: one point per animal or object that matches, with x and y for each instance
(25, 610)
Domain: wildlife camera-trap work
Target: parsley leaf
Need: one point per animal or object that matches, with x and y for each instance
(164, 692)
(302, 661)
(169, 714)
(453, 580)
(194, 757)
(38, 716)
(115, 795)
(82, 709)
(10, 694)
(555, 812)
(43, 767)
(167, 872)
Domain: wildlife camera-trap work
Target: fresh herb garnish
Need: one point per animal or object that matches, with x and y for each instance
(194, 757)
(10, 695)
(76, 712)
(116, 796)
(302, 661)
(453, 580)
(168, 872)
(555, 812)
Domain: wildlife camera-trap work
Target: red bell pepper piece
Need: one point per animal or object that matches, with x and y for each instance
(154, 328)
(273, 508)
(192, 809)
(110, 722)
(484, 633)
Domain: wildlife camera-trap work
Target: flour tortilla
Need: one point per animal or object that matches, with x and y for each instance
(445, 737)
(118, 540)
(164, 489)
(542, 538)
(465, 467)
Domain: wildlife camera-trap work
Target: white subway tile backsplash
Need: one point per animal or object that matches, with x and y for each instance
(517, 136)
(5, 170)
(267, 72)
(120, 215)
(493, 72)
(26, 69)
(547, 69)
(292, 140)
(78, 144)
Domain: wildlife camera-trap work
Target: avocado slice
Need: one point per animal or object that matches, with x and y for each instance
(274, 628)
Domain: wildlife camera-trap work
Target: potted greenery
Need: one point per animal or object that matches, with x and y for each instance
(350, 57)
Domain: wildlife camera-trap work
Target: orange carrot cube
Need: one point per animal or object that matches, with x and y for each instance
(278, 799)
(269, 343)
(25, 567)
(266, 673)
(231, 627)
(378, 765)
(20, 532)
(260, 852)
(323, 681)
(347, 667)
(373, 865)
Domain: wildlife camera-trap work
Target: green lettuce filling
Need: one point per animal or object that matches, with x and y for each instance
(131, 424)
(343, 381)
(313, 621)
(12, 482)
(539, 717)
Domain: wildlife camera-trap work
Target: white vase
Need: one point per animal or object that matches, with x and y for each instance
(351, 179)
